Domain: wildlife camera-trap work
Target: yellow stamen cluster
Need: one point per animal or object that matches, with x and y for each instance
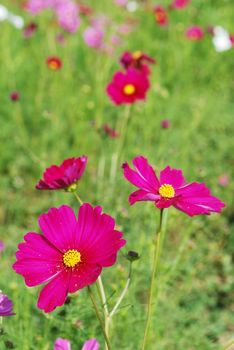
(72, 187)
(136, 55)
(71, 258)
(167, 191)
(129, 89)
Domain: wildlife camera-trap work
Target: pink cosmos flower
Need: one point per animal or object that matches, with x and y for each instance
(121, 3)
(68, 16)
(223, 180)
(35, 6)
(6, 306)
(137, 60)
(2, 246)
(64, 344)
(161, 16)
(179, 4)
(128, 87)
(64, 176)
(165, 123)
(170, 189)
(93, 37)
(14, 96)
(70, 254)
(194, 33)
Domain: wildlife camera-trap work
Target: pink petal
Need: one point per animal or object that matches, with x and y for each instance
(144, 177)
(58, 225)
(62, 344)
(173, 177)
(141, 195)
(55, 292)
(83, 276)
(165, 203)
(91, 344)
(38, 261)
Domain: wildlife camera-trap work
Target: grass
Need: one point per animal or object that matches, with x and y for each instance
(54, 119)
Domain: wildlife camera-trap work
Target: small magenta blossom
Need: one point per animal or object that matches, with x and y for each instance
(30, 30)
(165, 123)
(64, 176)
(70, 254)
(179, 4)
(64, 344)
(170, 189)
(93, 37)
(2, 246)
(137, 60)
(194, 33)
(6, 306)
(128, 87)
(14, 96)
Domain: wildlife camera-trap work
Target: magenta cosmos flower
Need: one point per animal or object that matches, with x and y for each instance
(64, 344)
(128, 87)
(70, 254)
(64, 176)
(179, 4)
(6, 305)
(170, 189)
(138, 60)
(194, 33)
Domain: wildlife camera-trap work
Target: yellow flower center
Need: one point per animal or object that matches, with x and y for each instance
(72, 187)
(167, 191)
(129, 89)
(71, 258)
(136, 55)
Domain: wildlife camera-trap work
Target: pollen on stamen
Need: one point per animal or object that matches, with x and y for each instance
(129, 89)
(167, 191)
(71, 258)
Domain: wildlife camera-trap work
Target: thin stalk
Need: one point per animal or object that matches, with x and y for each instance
(102, 296)
(157, 251)
(78, 197)
(122, 295)
(108, 346)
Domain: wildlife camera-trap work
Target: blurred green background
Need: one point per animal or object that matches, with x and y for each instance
(60, 114)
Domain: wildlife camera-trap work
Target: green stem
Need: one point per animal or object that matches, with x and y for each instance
(102, 296)
(157, 252)
(108, 346)
(122, 295)
(77, 197)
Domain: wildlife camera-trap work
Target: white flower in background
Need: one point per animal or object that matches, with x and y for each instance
(221, 39)
(132, 6)
(3, 13)
(16, 21)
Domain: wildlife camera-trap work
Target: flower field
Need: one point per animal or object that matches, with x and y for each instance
(116, 195)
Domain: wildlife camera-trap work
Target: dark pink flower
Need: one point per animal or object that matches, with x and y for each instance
(223, 180)
(70, 254)
(29, 30)
(128, 87)
(165, 123)
(179, 4)
(161, 16)
(54, 63)
(137, 60)
(194, 33)
(14, 96)
(170, 189)
(64, 176)
(6, 305)
(110, 131)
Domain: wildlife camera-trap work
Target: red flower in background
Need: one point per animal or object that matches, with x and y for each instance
(128, 87)
(137, 60)
(54, 63)
(161, 16)
(14, 96)
(29, 30)
(112, 133)
(64, 176)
